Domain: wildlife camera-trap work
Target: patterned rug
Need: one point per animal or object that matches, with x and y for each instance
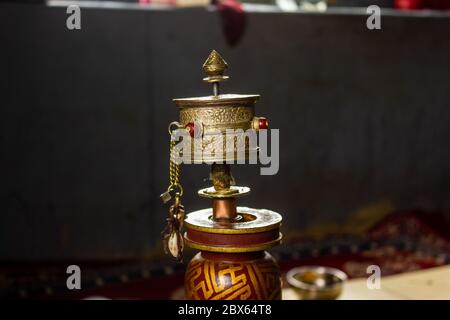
(400, 242)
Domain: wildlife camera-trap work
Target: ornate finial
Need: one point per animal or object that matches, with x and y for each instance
(214, 67)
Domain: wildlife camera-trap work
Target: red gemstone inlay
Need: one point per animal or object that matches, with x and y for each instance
(190, 127)
(263, 123)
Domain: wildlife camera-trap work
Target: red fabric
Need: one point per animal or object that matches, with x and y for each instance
(422, 4)
(437, 4)
(409, 4)
(234, 20)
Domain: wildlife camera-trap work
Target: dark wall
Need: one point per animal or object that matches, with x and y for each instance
(363, 117)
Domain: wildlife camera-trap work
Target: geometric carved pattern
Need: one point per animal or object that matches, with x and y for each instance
(216, 280)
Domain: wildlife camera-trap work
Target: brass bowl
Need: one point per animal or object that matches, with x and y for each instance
(316, 282)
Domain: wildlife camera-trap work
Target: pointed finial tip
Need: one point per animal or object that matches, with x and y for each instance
(215, 67)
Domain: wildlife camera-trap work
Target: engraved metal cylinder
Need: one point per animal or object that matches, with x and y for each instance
(219, 115)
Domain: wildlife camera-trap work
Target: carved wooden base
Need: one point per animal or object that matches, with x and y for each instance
(233, 276)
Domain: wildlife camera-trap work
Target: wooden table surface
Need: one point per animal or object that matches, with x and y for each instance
(424, 284)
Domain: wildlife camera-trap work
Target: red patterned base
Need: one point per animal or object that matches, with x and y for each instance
(237, 276)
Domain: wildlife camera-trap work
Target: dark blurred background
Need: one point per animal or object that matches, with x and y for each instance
(363, 116)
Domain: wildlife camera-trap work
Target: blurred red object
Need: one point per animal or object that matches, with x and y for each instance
(409, 4)
(234, 20)
(437, 4)
(422, 4)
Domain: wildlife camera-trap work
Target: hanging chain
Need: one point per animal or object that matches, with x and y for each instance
(174, 170)
(172, 236)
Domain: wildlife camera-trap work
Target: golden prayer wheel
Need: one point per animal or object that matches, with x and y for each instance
(233, 262)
